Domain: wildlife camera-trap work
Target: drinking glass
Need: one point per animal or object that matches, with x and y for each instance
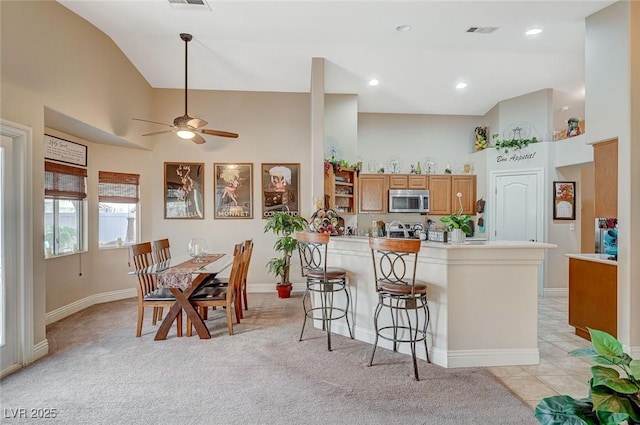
(197, 248)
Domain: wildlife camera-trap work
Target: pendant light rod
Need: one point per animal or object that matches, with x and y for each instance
(186, 38)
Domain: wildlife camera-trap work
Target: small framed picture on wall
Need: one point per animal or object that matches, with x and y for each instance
(280, 188)
(184, 190)
(564, 200)
(233, 185)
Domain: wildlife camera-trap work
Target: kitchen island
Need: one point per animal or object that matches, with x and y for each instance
(483, 299)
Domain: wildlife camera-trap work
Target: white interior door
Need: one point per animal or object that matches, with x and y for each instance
(517, 210)
(9, 343)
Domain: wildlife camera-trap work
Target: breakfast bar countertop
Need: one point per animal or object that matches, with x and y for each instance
(596, 258)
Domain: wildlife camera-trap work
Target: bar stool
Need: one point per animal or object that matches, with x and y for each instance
(323, 281)
(400, 293)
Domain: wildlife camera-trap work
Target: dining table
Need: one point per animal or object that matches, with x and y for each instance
(184, 275)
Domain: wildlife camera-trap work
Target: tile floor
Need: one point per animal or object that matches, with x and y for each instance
(558, 371)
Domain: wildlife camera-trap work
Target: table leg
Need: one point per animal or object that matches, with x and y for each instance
(182, 303)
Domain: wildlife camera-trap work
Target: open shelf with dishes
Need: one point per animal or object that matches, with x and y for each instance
(340, 190)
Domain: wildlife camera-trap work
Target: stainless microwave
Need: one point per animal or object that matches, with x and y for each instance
(408, 201)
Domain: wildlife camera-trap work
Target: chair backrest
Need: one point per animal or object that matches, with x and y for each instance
(142, 256)
(248, 251)
(161, 250)
(235, 276)
(312, 248)
(390, 260)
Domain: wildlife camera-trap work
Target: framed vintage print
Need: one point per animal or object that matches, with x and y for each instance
(564, 200)
(233, 185)
(280, 188)
(183, 190)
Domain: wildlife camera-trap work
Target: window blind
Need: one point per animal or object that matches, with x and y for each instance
(64, 182)
(118, 187)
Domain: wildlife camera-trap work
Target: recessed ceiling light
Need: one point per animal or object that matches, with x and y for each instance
(533, 31)
(373, 82)
(461, 85)
(403, 28)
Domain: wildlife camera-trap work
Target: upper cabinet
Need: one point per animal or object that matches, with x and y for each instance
(340, 190)
(408, 181)
(439, 194)
(466, 185)
(605, 158)
(372, 193)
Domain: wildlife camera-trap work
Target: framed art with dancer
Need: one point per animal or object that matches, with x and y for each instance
(233, 190)
(280, 189)
(184, 190)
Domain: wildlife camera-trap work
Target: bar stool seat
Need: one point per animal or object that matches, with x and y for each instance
(323, 281)
(404, 297)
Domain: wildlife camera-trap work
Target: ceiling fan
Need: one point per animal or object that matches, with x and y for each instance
(187, 127)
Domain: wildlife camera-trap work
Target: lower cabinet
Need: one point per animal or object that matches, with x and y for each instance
(593, 297)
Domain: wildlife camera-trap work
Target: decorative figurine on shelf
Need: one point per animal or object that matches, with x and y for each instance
(447, 169)
(573, 128)
(480, 141)
(418, 168)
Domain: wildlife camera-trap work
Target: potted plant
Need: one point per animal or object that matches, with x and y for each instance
(612, 399)
(283, 225)
(457, 223)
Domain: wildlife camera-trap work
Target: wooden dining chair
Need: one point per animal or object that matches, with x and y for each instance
(241, 296)
(221, 296)
(161, 251)
(148, 293)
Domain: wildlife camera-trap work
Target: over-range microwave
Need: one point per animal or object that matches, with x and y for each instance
(408, 201)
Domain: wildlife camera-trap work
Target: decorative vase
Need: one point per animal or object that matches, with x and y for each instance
(284, 291)
(458, 236)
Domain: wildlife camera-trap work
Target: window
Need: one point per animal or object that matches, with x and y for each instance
(65, 193)
(118, 195)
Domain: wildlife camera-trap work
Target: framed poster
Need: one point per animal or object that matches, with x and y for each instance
(564, 200)
(62, 150)
(280, 188)
(183, 190)
(233, 185)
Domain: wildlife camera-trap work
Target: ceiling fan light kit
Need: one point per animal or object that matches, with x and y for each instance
(184, 126)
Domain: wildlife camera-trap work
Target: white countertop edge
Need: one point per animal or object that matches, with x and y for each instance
(467, 245)
(596, 258)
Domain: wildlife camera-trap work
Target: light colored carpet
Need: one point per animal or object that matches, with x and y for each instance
(100, 373)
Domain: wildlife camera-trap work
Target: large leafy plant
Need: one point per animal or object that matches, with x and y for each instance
(283, 225)
(613, 399)
(457, 220)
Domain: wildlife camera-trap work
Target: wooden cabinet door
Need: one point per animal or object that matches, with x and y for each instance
(466, 185)
(605, 158)
(417, 181)
(398, 181)
(373, 193)
(439, 194)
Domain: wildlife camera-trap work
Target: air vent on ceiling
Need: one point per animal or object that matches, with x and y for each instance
(190, 4)
(482, 30)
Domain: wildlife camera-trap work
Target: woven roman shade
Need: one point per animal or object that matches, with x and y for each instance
(64, 182)
(118, 187)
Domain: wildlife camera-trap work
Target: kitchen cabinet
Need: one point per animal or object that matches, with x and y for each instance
(439, 194)
(340, 190)
(408, 181)
(373, 193)
(593, 295)
(605, 158)
(465, 184)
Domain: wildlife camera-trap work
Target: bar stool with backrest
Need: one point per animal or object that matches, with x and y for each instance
(322, 281)
(394, 266)
(148, 293)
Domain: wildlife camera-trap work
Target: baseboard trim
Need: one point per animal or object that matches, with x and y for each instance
(76, 306)
(40, 350)
(555, 292)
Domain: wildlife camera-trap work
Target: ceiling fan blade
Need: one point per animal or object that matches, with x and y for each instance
(219, 133)
(153, 122)
(198, 139)
(196, 123)
(159, 132)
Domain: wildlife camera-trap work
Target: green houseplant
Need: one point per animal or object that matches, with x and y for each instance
(456, 222)
(513, 143)
(612, 399)
(284, 226)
